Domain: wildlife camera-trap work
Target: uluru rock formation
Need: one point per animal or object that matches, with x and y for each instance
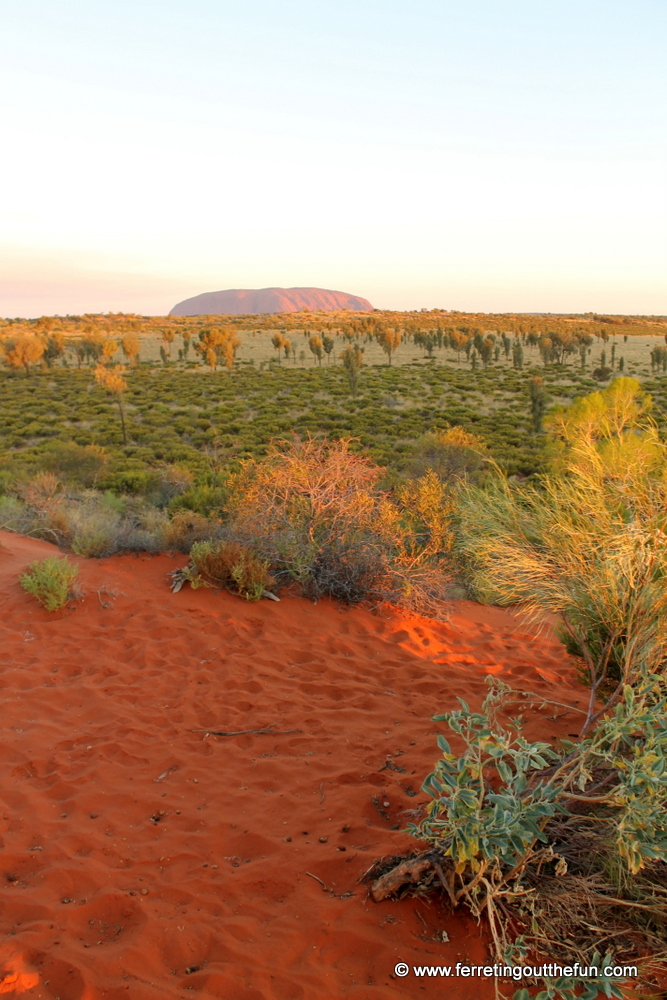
(246, 301)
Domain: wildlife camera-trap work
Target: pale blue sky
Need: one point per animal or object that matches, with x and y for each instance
(505, 155)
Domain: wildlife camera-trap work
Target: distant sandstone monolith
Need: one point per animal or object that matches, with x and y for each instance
(246, 301)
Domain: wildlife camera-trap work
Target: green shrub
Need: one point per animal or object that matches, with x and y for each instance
(205, 500)
(131, 481)
(50, 580)
(94, 530)
(231, 566)
(187, 527)
(12, 514)
(81, 465)
(554, 843)
(451, 454)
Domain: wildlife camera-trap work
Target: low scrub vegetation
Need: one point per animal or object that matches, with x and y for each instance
(229, 566)
(317, 513)
(92, 399)
(50, 580)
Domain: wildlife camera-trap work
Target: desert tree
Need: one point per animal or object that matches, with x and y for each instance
(353, 359)
(277, 340)
(112, 380)
(218, 344)
(328, 346)
(130, 346)
(538, 403)
(546, 348)
(316, 347)
(389, 340)
(168, 336)
(486, 351)
(23, 351)
(108, 348)
(54, 347)
(507, 345)
(459, 341)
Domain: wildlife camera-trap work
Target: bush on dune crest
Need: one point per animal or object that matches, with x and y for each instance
(589, 545)
(316, 511)
(230, 566)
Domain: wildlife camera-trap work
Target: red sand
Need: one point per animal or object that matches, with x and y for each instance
(134, 849)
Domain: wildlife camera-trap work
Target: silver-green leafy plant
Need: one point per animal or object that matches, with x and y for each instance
(497, 804)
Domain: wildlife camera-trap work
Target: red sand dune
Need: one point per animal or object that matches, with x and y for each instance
(142, 857)
(249, 301)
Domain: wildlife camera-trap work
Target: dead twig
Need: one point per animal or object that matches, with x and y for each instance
(550, 701)
(445, 884)
(410, 871)
(104, 590)
(325, 887)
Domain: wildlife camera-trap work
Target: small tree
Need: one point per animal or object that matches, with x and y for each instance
(92, 344)
(316, 346)
(546, 348)
(79, 349)
(23, 351)
(277, 340)
(538, 403)
(168, 338)
(217, 344)
(108, 349)
(130, 346)
(54, 348)
(486, 351)
(389, 341)
(187, 337)
(115, 384)
(458, 341)
(328, 345)
(352, 361)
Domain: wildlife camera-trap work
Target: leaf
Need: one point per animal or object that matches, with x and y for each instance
(504, 770)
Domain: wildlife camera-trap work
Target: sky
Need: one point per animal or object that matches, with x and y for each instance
(492, 155)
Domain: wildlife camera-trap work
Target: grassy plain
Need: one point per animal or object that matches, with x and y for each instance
(179, 411)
